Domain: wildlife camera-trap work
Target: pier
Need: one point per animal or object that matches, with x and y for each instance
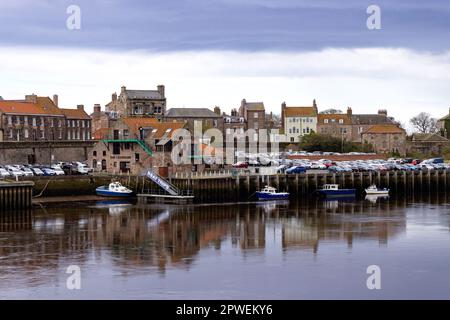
(15, 195)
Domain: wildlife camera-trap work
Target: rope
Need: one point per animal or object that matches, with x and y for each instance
(45, 187)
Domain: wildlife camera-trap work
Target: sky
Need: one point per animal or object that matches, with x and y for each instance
(217, 52)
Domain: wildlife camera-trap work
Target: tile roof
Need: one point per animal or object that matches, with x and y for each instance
(47, 104)
(367, 119)
(300, 112)
(14, 107)
(159, 129)
(101, 133)
(337, 117)
(384, 128)
(144, 94)
(75, 114)
(191, 113)
(254, 106)
(428, 137)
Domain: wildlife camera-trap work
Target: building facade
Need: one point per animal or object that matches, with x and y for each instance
(386, 139)
(140, 103)
(206, 117)
(40, 119)
(443, 125)
(428, 144)
(298, 121)
(336, 125)
(254, 114)
(363, 122)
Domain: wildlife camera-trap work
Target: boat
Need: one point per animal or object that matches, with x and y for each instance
(377, 191)
(270, 193)
(114, 189)
(333, 191)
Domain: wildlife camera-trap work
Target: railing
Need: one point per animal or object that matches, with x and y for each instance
(183, 193)
(267, 171)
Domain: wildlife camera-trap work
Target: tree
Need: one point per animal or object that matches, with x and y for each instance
(424, 123)
(331, 111)
(327, 143)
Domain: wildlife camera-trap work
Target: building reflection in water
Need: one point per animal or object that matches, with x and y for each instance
(140, 238)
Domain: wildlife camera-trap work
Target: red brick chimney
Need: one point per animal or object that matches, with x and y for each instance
(349, 111)
(55, 100)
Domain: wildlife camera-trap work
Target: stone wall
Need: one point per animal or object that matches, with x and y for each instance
(44, 152)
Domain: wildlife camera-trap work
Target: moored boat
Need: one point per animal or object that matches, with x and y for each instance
(373, 190)
(270, 193)
(333, 191)
(114, 189)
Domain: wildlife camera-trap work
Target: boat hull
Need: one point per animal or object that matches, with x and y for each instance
(272, 196)
(104, 192)
(344, 193)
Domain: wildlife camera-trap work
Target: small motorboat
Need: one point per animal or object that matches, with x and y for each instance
(373, 190)
(333, 191)
(270, 193)
(114, 189)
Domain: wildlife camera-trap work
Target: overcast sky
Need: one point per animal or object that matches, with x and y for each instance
(216, 52)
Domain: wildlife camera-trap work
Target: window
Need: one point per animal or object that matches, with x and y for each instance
(42, 133)
(125, 133)
(298, 131)
(256, 125)
(60, 134)
(325, 120)
(104, 153)
(136, 157)
(333, 120)
(304, 130)
(341, 121)
(25, 120)
(290, 130)
(25, 133)
(360, 129)
(292, 139)
(59, 123)
(17, 120)
(10, 133)
(42, 121)
(9, 120)
(255, 115)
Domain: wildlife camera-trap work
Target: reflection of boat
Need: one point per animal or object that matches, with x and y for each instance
(270, 193)
(379, 191)
(271, 205)
(114, 207)
(333, 191)
(114, 189)
(374, 197)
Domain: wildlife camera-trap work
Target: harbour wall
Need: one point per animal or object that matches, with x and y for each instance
(242, 187)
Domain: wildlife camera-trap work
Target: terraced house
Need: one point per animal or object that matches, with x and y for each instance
(298, 121)
(40, 119)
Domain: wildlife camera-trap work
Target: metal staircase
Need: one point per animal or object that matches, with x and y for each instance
(164, 184)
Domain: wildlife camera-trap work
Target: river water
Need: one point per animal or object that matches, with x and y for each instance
(304, 249)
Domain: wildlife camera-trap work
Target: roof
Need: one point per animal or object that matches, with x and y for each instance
(144, 94)
(159, 129)
(30, 108)
(367, 119)
(254, 106)
(384, 128)
(75, 114)
(300, 112)
(101, 133)
(47, 104)
(191, 113)
(337, 116)
(447, 117)
(428, 137)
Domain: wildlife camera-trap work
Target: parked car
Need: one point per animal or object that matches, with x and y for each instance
(58, 170)
(240, 164)
(13, 171)
(4, 173)
(295, 169)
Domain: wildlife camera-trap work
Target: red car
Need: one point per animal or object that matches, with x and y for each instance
(240, 164)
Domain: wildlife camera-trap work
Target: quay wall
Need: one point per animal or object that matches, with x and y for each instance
(15, 195)
(242, 187)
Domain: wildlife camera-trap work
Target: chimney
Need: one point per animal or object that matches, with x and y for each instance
(31, 98)
(123, 89)
(217, 110)
(315, 106)
(97, 109)
(162, 90)
(283, 107)
(55, 100)
(349, 111)
(382, 112)
(114, 97)
(80, 107)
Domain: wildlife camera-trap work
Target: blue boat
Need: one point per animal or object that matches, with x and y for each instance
(270, 193)
(333, 191)
(114, 189)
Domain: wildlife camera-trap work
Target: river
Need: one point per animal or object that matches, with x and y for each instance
(306, 249)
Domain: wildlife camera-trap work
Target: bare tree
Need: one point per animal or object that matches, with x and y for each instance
(331, 111)
(424, 123)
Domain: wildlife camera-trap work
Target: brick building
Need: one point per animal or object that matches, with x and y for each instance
(133, 145)
(386, 138)
(363, 122)
(233, 123)
(140, 103)
(254, 115)
(336, 125)
(40, 119)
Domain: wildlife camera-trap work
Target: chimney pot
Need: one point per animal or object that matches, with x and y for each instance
(80, 107)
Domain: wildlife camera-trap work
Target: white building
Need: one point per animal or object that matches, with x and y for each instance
(298, 121)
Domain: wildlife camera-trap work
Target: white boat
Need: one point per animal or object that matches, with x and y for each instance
(377, 191)
(270, 193)
(114, 189)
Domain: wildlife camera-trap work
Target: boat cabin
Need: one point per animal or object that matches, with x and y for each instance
(330, 187)
(269, 189)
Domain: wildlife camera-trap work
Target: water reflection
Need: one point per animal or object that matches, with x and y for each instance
(153, 238)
